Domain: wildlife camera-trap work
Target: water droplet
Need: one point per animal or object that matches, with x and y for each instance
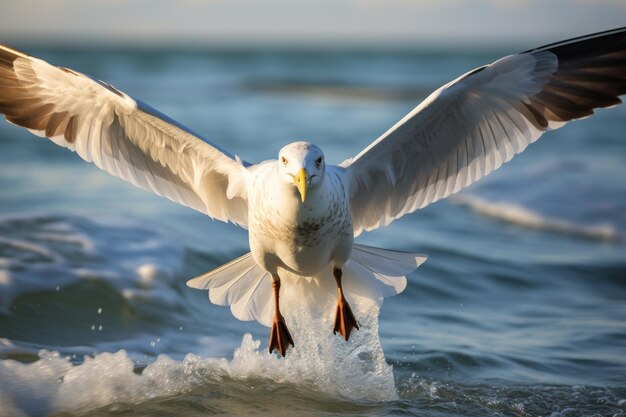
(180, 328)
(57, 288)
(100, 311)
(100, 328)
(93, 327)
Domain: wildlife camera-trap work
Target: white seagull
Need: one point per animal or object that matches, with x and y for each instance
(301, 212)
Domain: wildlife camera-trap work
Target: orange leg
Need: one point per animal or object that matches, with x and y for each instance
(344, 319)
(280, 339)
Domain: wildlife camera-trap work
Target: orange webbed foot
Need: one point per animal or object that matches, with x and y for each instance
(280, 338)
(344, 319)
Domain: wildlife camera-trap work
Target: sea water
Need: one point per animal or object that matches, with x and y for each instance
(519, 310)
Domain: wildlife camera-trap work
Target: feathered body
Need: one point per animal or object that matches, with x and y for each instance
(302, 238)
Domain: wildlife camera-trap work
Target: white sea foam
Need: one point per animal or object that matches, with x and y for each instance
(525, 217)
(320, 362)
(44, 253)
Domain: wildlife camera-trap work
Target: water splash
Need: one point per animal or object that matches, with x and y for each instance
(355, 369)
(321, 362)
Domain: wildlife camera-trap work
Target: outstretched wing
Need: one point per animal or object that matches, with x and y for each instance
(121, 135)
(472, 125)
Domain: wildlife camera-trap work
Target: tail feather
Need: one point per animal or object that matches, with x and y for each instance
(378, 273)
(256, 302)
(371, 272)
(386, 261)
(243, 285)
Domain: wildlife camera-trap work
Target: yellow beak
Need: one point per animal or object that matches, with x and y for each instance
(300, 181)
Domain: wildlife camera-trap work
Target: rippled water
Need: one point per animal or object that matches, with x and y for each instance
(519, 310)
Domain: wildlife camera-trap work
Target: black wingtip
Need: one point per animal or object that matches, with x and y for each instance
(595, 39)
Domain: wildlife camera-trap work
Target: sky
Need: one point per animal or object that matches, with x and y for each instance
(305, 22)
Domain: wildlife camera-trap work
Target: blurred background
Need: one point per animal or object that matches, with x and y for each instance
(519, 310)
(324, 23)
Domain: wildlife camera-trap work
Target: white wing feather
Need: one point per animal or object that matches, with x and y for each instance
(474, 124)
(121, 135)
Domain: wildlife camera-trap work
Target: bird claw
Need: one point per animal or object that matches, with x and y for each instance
(280, 338)
(344, 319)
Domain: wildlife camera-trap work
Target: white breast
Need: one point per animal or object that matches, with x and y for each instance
(303, 238)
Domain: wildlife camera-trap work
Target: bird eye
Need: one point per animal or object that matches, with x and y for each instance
(284, 160)
(319, 161)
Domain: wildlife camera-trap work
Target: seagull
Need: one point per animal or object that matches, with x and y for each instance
(301, 212)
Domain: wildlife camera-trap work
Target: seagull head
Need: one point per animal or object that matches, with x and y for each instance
(302, 165)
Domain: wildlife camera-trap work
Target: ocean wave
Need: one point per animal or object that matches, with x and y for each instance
(522, 216)
(48, 253)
